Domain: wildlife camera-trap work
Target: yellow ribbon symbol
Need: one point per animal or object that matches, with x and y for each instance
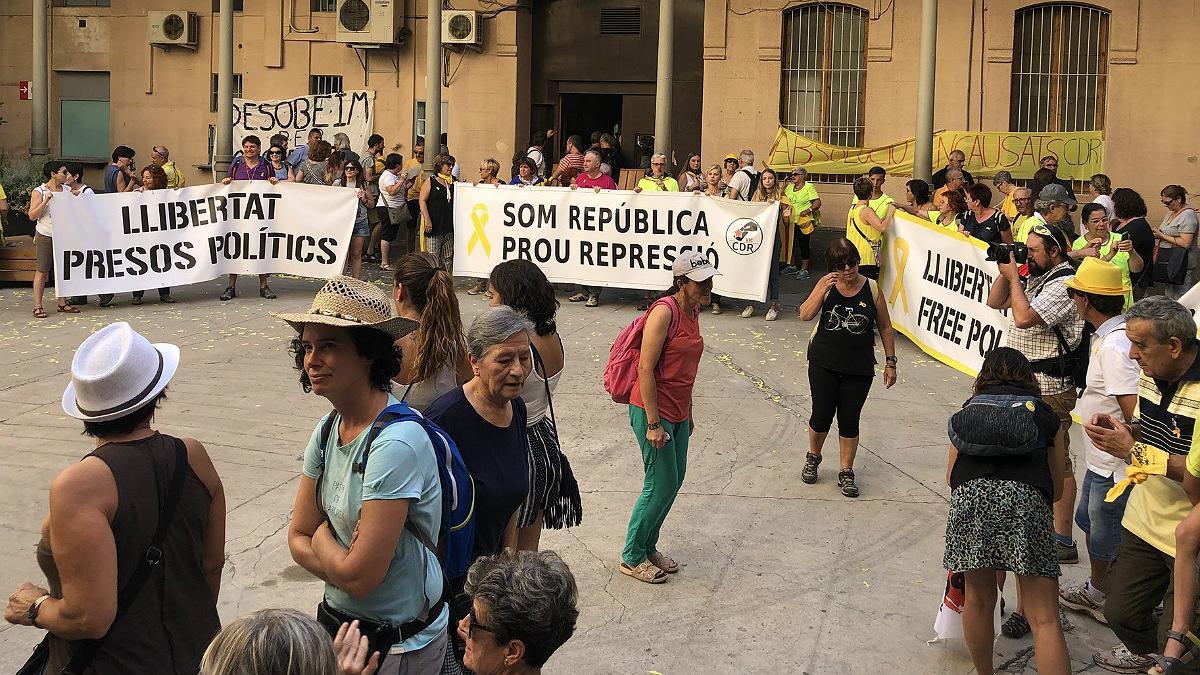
(900, 259)
(479, 218)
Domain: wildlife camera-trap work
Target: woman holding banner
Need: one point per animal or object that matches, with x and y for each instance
(920, 205)
(153, 178)
(951, 205)
(690, 179)
(352, 177)
(769, 191)
(841, 355)
(527, 175)
(983, 222)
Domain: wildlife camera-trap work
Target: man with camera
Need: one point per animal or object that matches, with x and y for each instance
(1044, 325)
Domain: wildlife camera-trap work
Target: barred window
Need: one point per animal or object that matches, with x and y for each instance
(324, 84)
(237, 90)
(1060, 68)
(323, 6)
(824, 72)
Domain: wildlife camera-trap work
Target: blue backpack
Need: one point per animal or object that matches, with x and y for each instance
(457, 542)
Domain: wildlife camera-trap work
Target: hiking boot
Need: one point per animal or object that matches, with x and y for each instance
(1077, 596)
(1067, 554)
(265, 291)
(1120, 660)
(846, 483)
(809, 473)
(229, 293)
(1015, 627)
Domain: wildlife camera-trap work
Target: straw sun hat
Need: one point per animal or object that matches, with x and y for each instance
(350, 303)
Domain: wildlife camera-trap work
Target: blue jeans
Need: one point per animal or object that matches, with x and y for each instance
(1101, 520)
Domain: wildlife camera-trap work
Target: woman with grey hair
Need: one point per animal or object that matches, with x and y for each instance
(287, 642)
(487, 420)
(1100, 188)
(522, 611)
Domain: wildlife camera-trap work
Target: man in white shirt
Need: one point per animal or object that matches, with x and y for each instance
(745, 179)
(1112, 388)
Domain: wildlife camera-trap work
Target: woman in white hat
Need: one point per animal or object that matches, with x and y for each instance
(108, 517)
(660, 410)
(348, 525)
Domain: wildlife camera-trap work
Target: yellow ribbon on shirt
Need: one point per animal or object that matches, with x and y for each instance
(1146, 461)
(900, 259)
(479, 218)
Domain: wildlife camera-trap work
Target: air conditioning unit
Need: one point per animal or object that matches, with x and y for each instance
(378, 22)
(461, 28)
(180, 29)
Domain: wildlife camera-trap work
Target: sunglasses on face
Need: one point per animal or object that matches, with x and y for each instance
(473, 625)
(844, 266)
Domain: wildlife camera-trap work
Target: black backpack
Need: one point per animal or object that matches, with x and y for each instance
(1070, 363)
(753, 182)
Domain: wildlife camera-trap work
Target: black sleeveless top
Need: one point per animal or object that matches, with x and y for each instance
(174, 617)
(844, 339)
(441, 207)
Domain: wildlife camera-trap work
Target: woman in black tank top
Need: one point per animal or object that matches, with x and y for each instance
(104, 614)
(849, 309)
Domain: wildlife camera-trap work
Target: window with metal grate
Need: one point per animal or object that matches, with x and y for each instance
(237, 90)
(621, 21)
(322, 6)
(824, 72)
(1059, 68)
(324, 84)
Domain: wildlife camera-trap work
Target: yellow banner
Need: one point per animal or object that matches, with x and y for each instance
(1080, 154)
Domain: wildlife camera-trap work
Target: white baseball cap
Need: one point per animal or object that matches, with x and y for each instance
(693, 265)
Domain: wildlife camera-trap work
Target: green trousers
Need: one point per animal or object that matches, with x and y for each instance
(664, 469)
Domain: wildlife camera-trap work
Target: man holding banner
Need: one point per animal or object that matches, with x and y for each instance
(1045, 326)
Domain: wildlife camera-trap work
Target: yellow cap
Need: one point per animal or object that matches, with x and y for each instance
(731, 156)
(1098, 277)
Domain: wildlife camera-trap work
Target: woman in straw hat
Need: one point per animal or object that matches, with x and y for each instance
(349, 520)
(107, 610)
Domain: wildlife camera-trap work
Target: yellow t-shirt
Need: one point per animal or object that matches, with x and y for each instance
(864, 237)
(1008, 207)
(1023, 225)
(802, 200)
(648, 184)
(879, 206)
(414, 191)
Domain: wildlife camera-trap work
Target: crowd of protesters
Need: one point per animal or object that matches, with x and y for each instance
(1094, 328)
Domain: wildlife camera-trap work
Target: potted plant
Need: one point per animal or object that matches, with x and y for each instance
(19, 178)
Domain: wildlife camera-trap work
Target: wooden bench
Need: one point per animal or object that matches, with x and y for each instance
(18, 263)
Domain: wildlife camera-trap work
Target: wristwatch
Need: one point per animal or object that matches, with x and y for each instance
(655, 425)
(31, 614)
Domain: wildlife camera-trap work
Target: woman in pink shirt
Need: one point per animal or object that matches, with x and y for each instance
(660, 410)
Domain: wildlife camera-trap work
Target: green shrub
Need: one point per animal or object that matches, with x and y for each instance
(19, 177)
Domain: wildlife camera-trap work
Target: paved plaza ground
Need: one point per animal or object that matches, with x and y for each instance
(778, 576)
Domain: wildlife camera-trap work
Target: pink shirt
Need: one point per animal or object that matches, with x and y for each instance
(677, 367)
(604, 182)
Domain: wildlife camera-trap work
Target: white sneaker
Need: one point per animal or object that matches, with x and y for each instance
(748, 312)
(772, 314)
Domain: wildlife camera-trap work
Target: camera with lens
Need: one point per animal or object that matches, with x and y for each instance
(1000, 252)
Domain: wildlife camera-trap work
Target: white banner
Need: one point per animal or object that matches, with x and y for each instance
(111, 243)
(936, 283)
(350, 112)
(1191, 299)
(613, 237)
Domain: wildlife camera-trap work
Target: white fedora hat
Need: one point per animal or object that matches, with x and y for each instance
(116, 371)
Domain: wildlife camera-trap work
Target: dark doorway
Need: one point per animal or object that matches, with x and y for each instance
(584, 113)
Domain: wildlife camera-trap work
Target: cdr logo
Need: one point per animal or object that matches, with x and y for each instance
(744, 236)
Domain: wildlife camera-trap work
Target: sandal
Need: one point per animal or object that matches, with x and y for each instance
(578, 297)
(67, 309)
(229, 294)
(265, 291)
(384, 267)
(1172, 664)
(646, 571)
(39, 312)
(663, 562)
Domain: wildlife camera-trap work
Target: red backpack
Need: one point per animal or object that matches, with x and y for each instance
(620, 373)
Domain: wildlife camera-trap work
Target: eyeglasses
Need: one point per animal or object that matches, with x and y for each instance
(473, 625)
(276, 152)
(351, 169)
(1022, 199)
(844, 266)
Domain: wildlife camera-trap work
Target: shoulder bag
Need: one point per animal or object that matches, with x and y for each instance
(1171, 263)
(88, 649)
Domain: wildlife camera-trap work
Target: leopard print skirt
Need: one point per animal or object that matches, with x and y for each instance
(1000, 524)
